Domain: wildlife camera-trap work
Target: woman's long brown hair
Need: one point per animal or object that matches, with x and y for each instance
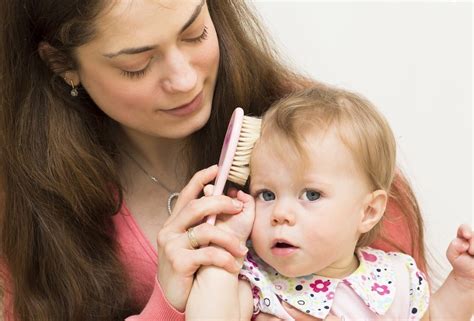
(58, 163)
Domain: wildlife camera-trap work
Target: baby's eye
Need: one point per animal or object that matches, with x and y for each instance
(311, 195)
(266, 196)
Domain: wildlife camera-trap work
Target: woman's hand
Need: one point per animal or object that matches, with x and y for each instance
(238, 225)
(178, 259)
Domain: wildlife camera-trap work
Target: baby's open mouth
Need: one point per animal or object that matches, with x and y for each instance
(283, 248)
(282, 245)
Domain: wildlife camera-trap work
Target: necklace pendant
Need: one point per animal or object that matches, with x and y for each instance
(170, 201)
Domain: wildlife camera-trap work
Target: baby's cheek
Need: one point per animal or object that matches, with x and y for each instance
(258, 231)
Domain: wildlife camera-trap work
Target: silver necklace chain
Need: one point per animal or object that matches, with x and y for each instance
(172, 195)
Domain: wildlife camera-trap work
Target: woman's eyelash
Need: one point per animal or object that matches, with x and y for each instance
(137, 74)
(201, 38)
(141, 73)
(134, 74)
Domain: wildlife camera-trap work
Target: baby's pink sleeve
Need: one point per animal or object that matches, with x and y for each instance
(158, 308)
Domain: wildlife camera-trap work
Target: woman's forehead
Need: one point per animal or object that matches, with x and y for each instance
(125, 21)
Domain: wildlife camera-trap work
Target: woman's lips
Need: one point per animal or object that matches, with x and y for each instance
(188, 108)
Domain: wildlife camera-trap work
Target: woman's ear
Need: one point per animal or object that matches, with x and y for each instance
(57, 62)
(373, 210)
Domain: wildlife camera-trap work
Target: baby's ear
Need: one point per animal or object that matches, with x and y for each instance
(373, 210)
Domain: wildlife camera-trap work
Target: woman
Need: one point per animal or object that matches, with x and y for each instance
(106, 109)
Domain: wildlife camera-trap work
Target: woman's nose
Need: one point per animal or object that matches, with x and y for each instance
(283, 213)
(180, 75)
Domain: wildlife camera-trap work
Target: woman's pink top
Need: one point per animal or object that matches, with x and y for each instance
(140, 260)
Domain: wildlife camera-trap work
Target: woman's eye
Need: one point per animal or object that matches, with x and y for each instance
(134, 74)
(200, 38)
(266, 196)
(311, 195)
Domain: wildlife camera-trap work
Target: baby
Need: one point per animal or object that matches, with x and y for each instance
(320, 175)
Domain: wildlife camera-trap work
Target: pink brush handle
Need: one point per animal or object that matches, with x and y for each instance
(227, 154)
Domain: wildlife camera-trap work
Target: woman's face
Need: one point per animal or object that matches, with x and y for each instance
(153, 66)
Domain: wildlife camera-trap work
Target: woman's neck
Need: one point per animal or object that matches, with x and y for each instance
(161, 158)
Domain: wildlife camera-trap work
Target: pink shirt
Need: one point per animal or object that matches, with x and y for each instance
(140, 260)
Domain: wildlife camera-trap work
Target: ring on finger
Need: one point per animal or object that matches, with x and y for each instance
(192, 238)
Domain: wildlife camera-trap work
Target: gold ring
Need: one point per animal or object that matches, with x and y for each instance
(192, 238)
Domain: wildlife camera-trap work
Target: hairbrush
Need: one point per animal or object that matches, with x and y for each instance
(241, 135)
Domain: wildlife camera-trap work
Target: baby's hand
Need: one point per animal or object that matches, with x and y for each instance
(460, 254)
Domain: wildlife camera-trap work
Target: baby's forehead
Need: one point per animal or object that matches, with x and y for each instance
(322, 149)
(282, 144)
(274, 153)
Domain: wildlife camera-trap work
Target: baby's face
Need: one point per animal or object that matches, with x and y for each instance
(307, 220)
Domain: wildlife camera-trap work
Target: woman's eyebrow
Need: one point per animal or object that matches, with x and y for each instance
(131, 51)
(193, 16)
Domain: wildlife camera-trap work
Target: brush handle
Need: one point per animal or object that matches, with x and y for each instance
(227, 154)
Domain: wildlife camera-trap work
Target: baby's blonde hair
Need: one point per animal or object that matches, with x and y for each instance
(359, 125)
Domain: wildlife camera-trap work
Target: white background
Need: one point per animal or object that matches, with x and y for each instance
(414, 61)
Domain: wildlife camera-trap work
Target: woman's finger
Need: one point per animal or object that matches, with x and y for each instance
(197, 209)
(191, 260)
(194, 187)
(208, 189)
(205, 234)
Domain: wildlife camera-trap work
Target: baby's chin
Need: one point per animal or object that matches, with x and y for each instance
(292, 271)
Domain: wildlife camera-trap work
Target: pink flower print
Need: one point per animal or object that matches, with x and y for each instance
(320, 285)
(330, 295)
(369, 257)
(255, 292)
(251, 260)
(380, 289)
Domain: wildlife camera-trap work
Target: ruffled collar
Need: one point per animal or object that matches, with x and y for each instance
(372, 281)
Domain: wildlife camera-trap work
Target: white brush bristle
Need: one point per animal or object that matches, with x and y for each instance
(249, 133)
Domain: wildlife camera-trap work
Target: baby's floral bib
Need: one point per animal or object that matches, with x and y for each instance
(374, 282)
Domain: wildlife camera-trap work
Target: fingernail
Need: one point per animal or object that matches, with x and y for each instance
(243, 248)
(238, 266)
(237, 204)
